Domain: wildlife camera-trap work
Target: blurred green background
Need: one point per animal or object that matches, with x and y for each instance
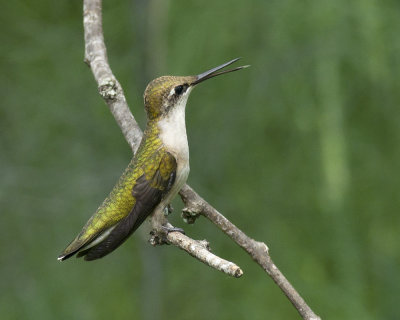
(300, 151)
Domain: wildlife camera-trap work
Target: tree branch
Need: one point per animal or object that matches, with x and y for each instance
(111, 91)
(199, 249)
(109, 88)
(195, 206)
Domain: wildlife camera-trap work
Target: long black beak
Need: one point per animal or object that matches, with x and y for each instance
(215, 72)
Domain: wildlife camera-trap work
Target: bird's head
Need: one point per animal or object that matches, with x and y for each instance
(165, 93)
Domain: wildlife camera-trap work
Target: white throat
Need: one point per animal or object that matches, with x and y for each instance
(173, 130)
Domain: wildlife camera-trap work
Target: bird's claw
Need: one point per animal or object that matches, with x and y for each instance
(169, 229)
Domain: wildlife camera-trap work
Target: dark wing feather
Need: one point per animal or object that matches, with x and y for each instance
(148, 192)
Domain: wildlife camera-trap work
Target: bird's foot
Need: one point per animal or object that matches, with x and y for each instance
(159, 236)
(169, 229)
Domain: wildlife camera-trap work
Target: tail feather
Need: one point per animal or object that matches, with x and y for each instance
(81, 244)
(71, 249)
(116, 237)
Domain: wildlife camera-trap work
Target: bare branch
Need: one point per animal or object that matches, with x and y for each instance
(111, 91)
(199, 249)
(109, 87)
(195, 206)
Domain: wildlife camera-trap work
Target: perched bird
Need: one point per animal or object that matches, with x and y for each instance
(156, 173)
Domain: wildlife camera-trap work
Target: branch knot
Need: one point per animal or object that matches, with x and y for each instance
(190, 214)
(157, 238)
(262, 247)
(108, 88)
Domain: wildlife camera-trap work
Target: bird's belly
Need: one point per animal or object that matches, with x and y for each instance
(182, 173)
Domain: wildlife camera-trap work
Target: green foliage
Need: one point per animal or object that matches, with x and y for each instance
(300, 151)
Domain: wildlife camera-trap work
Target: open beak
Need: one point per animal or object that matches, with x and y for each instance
(216, 72)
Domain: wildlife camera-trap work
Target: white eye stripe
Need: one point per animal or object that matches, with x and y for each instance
(171, 93)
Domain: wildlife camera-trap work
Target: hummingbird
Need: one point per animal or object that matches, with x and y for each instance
(154, 176)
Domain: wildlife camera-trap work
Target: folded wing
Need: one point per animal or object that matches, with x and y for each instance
(149, 190)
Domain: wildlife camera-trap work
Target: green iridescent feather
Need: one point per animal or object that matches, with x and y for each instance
(150, 157)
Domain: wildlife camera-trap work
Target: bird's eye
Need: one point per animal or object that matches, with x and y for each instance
(179, 89)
